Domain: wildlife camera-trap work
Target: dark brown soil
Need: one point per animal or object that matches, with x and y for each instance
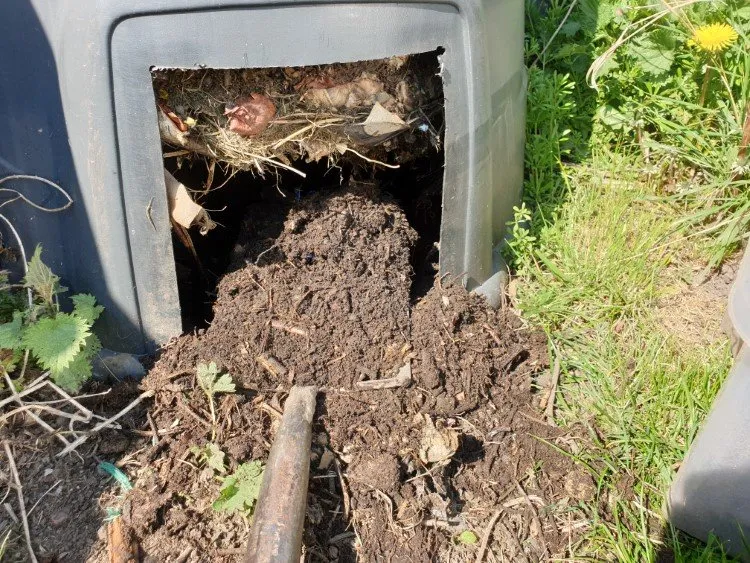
(397, 474)
(62, 495)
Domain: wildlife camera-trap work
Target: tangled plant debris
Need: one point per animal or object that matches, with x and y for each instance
(385, 111)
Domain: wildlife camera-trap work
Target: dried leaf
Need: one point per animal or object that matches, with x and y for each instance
(437, 444)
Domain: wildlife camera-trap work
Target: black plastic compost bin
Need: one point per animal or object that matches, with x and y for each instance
(77, 107)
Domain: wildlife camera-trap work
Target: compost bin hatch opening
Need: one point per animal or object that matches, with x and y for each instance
(249, 144)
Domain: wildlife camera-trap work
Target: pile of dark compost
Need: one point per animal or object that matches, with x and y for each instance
(319, 294)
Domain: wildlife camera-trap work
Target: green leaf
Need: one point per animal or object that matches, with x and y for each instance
(85, 307)
(570, 28)
(653, 58)
(742, 13)
(224, 384)
(80, 369)
(240, 491)
(212, 455)
(56, 341)
(613, 118)
(11, 333)
(206, 376)
(467, 537)
(74, 375)
(215, 457)
(41, 279)
(211, 383)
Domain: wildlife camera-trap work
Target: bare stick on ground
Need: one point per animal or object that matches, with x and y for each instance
(549, 410)
(487, 536)
(344, 488)
(73, 445)
(21, 504)
(33, 415)
(401, 380)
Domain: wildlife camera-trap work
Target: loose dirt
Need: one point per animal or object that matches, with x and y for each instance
(320, 294)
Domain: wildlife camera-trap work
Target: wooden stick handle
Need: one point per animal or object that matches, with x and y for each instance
(276, 533)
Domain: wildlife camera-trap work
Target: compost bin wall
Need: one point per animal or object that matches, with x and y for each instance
(76, 106)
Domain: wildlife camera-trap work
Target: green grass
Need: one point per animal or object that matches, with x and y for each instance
(615, 213)
(641, 392)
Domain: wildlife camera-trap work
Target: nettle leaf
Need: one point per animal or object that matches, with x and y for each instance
(72, 377)
(11, 333)
(240, 491)
(570, 28)
(57, 340)
(653, 58)
(80, 369)
(41, 279)
(85, 307)
(614, 118)
(589, 15)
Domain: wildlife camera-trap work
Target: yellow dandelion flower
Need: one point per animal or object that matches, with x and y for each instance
(714, 37)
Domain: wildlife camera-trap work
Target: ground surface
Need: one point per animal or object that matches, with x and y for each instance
(328, 300)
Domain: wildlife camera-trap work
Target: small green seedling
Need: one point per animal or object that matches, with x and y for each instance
(211, 382)
(211, 455)
(467, 537)
(239, 491)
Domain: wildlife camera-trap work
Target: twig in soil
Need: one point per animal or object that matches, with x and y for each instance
(269, 249)
(29, 406)
(493, 334)
(389, 505)
(344, 488)
(401, 380)
(154, 429)
(272, 365)
(454, 526)
(33, 415)
(512, 537)
(183, 407)
(534, 513)
(336, 360)
(73, 445)
(522, 500)
(532, 418)
(290, 329)
(48, 491)
(23, 393)
(73, 400)
(341, 537)
(9, 509)
(313, 125)
(183, 556)
(487, 536)
(21, 504)
(270, 410)
(549, 410)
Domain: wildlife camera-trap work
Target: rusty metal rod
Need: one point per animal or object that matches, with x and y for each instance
(276, 533)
